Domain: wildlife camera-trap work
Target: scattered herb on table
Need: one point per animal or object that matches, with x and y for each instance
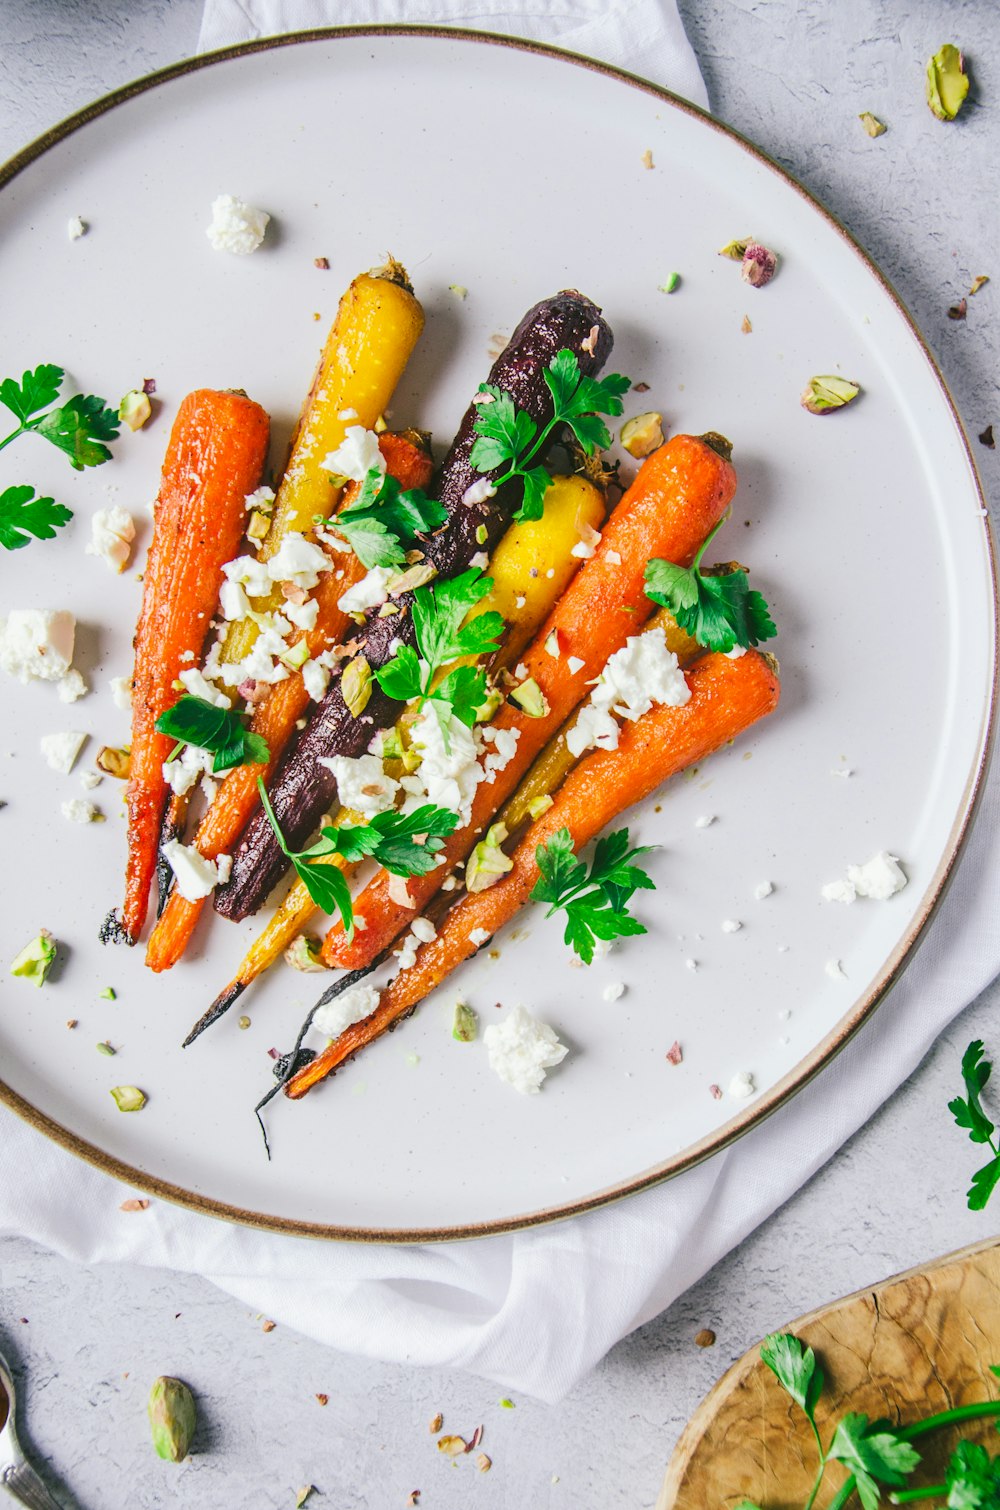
(510, 438)
(78, 428)
(384, 521)
(596, 900)
(717, 607)
(438, 611)
(875, 1452)
(221, 731)
(969, 1114)
(405, 844)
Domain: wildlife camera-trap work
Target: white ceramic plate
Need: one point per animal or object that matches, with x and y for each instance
(514, 172)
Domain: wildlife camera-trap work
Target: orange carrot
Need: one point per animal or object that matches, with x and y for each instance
(678, 496)
(216, 455)
(275, 718)
(726, 698)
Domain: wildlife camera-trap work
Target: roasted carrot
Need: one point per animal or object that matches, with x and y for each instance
(727, 697)
(275, 718)
(532, 546)
(678, 496)
(216, 455)
(377, 326)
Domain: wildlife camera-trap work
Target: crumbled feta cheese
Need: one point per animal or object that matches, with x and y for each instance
(449, 773)
(736, 652)
(521, 1049)
(575, 664)
(195, 875)
(480, 561)
(249, 573)
(742, 1085)
(61, 750)
(315, 679)
(594, 728)
(763, 889)
(303, 615)
(121, 691)
(352, 1005)
(183, 772)
(478, 491)
(612, 558)
(835, 969)
(692, 964)
(90, 779)
(362, 784)
(233, 601)
(478, 937)
(843, 771)
(614, 992)
(357, 455)
(260, 498)
(879, 878)
(79, 811)
(298, 561)
(345, 414)
(582, 550)
(236, 227)
(370, 592)
(75, 228)
(111, 534)
(641, 673)
(504, 742)
(36, 644)
(731, 925)
(195, 683)
(408, 953)
(71, 687)
(705, 820)
(423, 929)
(187, 655)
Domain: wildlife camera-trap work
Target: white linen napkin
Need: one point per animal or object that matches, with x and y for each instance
(535, 1310)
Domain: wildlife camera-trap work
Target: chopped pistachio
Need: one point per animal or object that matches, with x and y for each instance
(301, 1495)
(411, 761)
(552, 644)
(530, 697)
(105, 1048)
(759, 265)
(958, 311)
(128, 1098)
(735, 249)
(482, 534)
(36, 959)
(465, 1024)
(356, 685)
(414, 576)
(108, 994)
(947, 82)
(506, 1404)
(296, 655)
(671, 284)
(303, 954)
(392, 745)
(487, 862)
(871, 123)
(745, 325)
(483, 1463)
(977, 283)
(641, 435)
(489, 705)
(260, 524)
(647, 158)
(436, 1423)
(114, 762)
(823, 395)
(172, 1418)
(539, 805)
(388, 610)
(380, 426)
(458, 289)
(134, 409)
(453, 1446)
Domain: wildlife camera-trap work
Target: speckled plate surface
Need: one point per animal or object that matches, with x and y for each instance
(865, 531)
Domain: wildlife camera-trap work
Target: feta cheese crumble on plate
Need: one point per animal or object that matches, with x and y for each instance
(521, 1049)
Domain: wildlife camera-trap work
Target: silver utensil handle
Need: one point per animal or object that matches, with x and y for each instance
(21, 1480)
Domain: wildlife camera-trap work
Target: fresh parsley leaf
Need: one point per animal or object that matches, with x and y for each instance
(795, 1369)
(594, 900)
(972, 1478)
(970, 1115)
(507, 437)
(464, 692)
(383, 521)
(193, 721)
(874, 1453)
(23, 515)
(719, 609)
(78, 428)
(36, 390)
(984, 1182)
(439, 609)
(402, 677)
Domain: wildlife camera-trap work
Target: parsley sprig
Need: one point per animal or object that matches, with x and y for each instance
(78, 427)
(222, 731)
(23, 515)
(969, 1114)
(876, 1452)
(508, 437)
(596, 900)
(405, 844)
(438, 611)
(384, 521)
(717, 607)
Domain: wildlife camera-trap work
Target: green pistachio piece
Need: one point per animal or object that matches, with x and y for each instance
(735, 249)
(301, 1495)
(128, 1098)
(105, 1048)
(113, 762)
(36, 959)
(108, 994)
(822, 395)
(134, 409)
(671, 284)
(172, 1418)
(414, 577)
(530, 698)
(643, 434)
(947, 82)
(356, 685)
(392, 746)
(303, 954)
(260, 523)
(487, 862)
(296, 655)
(489, 705)
(458, 289)
(871, 123)
(539, 805)
(482, 534)
(465, 1026)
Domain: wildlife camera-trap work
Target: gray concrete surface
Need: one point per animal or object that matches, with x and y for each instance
(793, 75)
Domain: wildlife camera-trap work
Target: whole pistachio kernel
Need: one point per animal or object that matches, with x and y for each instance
(172, 1418)
(128, 1098)
(872, 124)
(643, 434)
(465, 1025)
(947, 82)
(822, 395)
(134, 409)
(356, 685)
(735, 250)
